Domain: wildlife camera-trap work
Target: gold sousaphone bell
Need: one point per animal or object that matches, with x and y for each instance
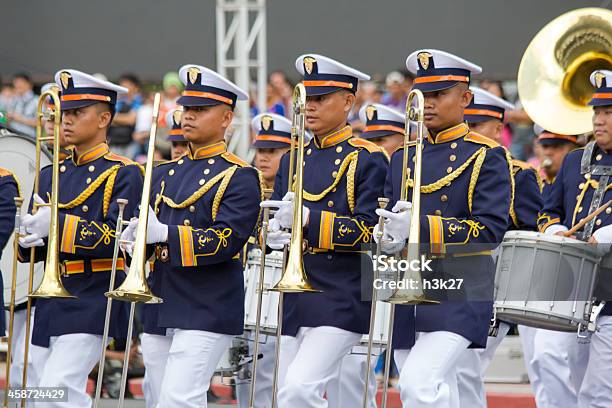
(553, 78)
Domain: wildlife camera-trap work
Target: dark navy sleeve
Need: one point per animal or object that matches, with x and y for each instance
(95, 238)
(527, 199)
(8, 192)
(330, 230)
(553, 211)
(229, 232)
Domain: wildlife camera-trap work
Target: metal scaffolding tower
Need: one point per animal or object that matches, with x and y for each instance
(241, 57)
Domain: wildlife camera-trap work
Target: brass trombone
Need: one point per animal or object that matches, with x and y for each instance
(51, 285)
(293, 279)
(410, 295)
(134, 288)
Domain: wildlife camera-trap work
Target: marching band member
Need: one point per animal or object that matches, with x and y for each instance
(91, 181)
(48, 123)
(477, 172)
(485, 115)
(9, 190)
(554, 149)
(343, 177)
(581, 186)
(272, 141)
(179, 145)
(384, 127)
(206, 204)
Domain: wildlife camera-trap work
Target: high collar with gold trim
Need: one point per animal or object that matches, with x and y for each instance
(90, 155)
(334, 138)
(205, 152)
(450, 134)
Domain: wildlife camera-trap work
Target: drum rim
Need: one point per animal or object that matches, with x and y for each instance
(44, 149)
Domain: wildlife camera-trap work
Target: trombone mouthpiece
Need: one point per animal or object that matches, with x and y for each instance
(546, 163)
(383, 202)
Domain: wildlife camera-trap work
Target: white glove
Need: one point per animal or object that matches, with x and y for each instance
(397, 221)
(36, 226)
(553, 229)
(387, 245)
(278, 239)
(284, 214)
(156, 231)
(603, 236)
(128, 234)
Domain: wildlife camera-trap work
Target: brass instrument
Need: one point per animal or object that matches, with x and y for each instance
(121, 203)
(553, 78)
(382, 203)
(293, 279)
(267, 193)
(135, 288)
(51, 285)
(9, 351)
(410, 295)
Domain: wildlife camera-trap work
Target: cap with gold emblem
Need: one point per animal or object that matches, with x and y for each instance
(205, 87)
(437, 70)
(485, 106)
(602, 80)
(272, 131)
(79, 89)
(380, 120)
(175, 134)
(323, 75)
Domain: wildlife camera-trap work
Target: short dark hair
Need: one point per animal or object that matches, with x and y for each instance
(24, 76)
(131, 78)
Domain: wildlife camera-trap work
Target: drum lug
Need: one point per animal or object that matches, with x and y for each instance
(494, 325)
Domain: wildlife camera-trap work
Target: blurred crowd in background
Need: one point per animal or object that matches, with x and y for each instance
(130, 129)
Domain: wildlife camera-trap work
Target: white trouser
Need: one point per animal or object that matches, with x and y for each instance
(192, 359)
(556, 360)
(36, 355)
(428, 377)
(471, 368)
(155, 350)
(400, 356)
(346, 390)
(596, 389)
(527, 337)
(265, 374)
(71, 358)
(309, 361)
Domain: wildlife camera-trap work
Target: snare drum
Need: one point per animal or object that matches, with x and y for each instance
(545, 281)
(17, 154)
(269, 301)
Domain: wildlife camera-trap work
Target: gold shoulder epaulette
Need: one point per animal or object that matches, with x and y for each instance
(366, 144)
(117, 158)
(232, 158)
(519, 164)
(480, 139)
(4, 173)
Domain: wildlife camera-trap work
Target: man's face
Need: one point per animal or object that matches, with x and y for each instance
(555, 153)
(21, 86)
(324, 113)
(132, 88)
(268, 161)
(205, 124)
(390, 143)
(178, 149)
(444, 108)
(489, 128)
(49, 125)
(602, 127)
(395, 89)
(82, 124)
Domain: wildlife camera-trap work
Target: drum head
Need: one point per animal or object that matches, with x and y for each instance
(18, 154)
